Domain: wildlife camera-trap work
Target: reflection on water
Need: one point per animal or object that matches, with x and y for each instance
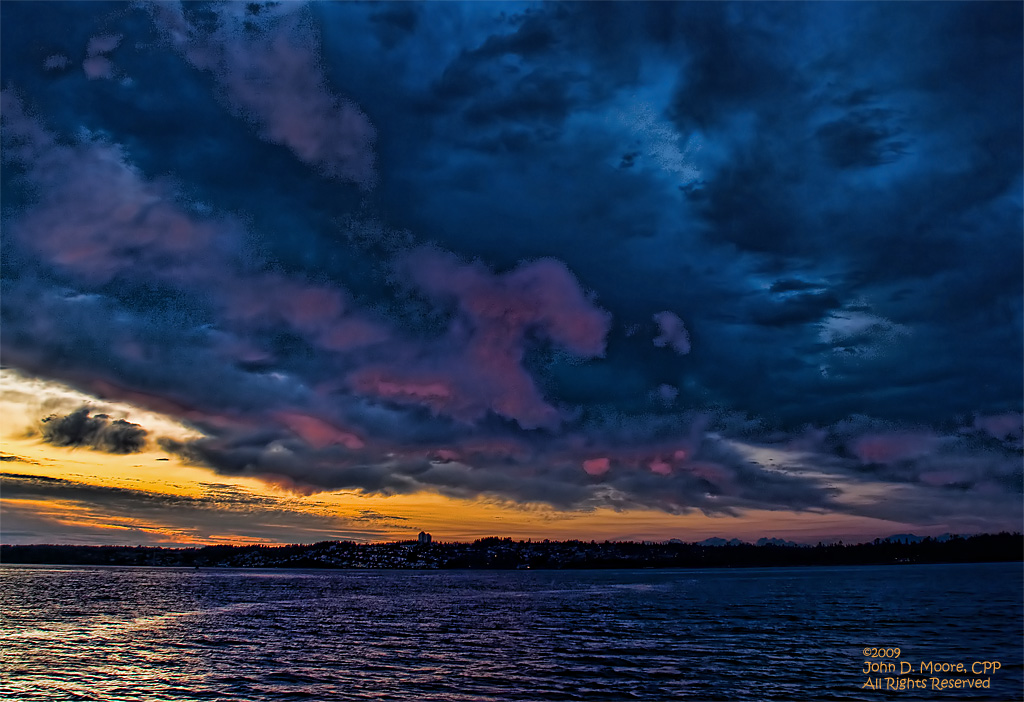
(116, 634)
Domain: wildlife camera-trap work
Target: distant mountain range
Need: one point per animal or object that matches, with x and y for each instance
(765, 541)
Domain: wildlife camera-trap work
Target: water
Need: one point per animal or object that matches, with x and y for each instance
(112, 634)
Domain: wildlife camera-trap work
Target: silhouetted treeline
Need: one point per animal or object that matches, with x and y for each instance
(498, 553)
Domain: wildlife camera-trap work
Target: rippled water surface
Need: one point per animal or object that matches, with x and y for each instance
(86, 633)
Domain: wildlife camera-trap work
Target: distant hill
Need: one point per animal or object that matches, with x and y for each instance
(774, 541)
(717, 541)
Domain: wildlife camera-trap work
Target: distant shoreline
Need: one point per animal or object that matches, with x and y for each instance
(312, 569)
(505, 554)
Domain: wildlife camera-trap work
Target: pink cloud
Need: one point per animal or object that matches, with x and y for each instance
(661, 460)
(105, 389)
(660, 467)
(98, 218)
(811, 439)
(239, 349)
(890, 448)
(459, 391)
(711, 472)
(322, 313)
(31, 140)
(479, 361)
(667, 393)
(102, 44)
(56, 62)
(672, 332)
(495, 448)
(676, 463)
(96, 65)
(318, 433)
(436, 394)
(350, 333)
(937, 478)
(272, 77)
(275, 298)
(541, 295)
(1001, 426)
(132, 350)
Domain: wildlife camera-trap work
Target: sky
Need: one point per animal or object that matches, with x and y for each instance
(290, 272)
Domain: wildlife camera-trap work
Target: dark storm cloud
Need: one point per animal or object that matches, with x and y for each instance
(861, 138)
(677, 471)
(792, 285)
(795, 309)
(394, 24)
(471, 247)
(369, 515)
(96, 431)
(728, 71)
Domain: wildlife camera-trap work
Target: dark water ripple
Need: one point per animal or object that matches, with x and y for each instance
(116, 634)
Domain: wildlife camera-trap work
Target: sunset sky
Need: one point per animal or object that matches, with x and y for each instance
(294, 272)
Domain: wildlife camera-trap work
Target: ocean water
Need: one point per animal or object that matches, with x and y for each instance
(112, 634)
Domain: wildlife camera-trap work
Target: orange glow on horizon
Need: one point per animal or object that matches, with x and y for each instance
(448, 519)
(216, 508)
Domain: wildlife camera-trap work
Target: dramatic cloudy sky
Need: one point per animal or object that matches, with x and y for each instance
(292, 271)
